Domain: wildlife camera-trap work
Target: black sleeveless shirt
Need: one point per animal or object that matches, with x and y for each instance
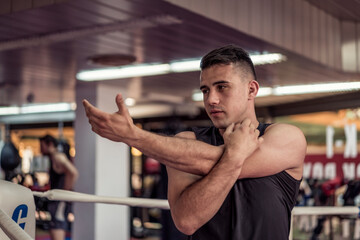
(255, 208)
(57, 180)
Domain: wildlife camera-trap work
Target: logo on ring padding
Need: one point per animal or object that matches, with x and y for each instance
(16, 214)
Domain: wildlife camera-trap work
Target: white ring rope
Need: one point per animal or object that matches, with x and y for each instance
(11, 229)
(70, 196)
(15, 232)
(347, 210)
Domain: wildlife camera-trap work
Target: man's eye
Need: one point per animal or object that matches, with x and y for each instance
(221, 87)
(204, 91)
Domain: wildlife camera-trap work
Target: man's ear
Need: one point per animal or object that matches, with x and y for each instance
(253, 89)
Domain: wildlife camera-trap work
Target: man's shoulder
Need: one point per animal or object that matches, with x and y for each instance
(284, 129)
(60, 157)
(285, 134)
(289, 140)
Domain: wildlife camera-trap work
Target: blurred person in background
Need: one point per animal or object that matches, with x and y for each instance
(62, 175)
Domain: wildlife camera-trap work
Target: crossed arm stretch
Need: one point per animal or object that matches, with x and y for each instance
(187, 155)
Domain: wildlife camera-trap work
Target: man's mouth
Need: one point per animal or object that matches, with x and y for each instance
(216, 112)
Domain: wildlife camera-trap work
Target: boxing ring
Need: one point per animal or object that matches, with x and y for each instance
(14, 230)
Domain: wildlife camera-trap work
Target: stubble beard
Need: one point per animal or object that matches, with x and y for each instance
(221, 124)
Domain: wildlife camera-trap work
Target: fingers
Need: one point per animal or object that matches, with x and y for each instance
(246, 126)
(120, 103)
(95, 116)
(230, 129)
(246, 122)
(86, 105)
(92, 112)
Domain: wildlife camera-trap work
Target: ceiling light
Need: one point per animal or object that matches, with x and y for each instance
(37, 108)
(264, 91)
(9, 110)
(270, 58)
(130, 102)
(186, 66)
(142, 70)
(298, 89)
(124, 72)
(43, 108)
(316, 88)
(197, 96)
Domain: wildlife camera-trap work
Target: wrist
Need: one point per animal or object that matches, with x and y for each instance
(134, 140)
(235, 159)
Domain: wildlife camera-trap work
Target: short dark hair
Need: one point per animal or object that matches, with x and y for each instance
(226, 55)
(49, 139)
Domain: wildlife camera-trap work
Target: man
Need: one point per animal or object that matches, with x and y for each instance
(63, 175)
(225, 182)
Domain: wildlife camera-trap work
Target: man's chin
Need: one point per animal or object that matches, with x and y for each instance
(220, 125)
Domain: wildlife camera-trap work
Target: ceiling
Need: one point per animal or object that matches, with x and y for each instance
(342, 9)
(42, 49)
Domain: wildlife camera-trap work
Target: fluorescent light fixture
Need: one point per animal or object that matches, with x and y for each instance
(44, 108)
(197, 96)
(309, 88)
(185, 66)
(264, 91)
(270, 58)
(38, 108)
(124, 72)
(9, 110)
(316, 88)
(130, 102)
(298, 89)
(142, 70)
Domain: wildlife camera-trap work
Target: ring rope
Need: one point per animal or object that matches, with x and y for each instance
(346, 210)
(11, 229)
(70, 196)
(15, 232)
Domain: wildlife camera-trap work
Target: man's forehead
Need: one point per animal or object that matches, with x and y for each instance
(217, 72)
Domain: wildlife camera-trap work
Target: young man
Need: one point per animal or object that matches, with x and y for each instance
(63, 175)
(236, 180)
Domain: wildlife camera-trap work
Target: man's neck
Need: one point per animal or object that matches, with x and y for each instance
(255, 122)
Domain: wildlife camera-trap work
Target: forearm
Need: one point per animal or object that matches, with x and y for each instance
(182, 154)
(199, 202)
(187, 155)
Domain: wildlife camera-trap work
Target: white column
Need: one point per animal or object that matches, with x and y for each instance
(103, 170)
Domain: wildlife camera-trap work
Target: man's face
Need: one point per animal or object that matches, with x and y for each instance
(225, 94)
(43, 148)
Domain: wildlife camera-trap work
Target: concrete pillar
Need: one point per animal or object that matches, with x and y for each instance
(103, 170)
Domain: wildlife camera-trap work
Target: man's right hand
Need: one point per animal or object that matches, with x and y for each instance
(241, 140)
(118, 126)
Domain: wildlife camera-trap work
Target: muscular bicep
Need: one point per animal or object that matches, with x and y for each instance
(177, 183)
(284, 148)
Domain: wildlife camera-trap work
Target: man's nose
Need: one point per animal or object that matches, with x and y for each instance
(213, 98)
